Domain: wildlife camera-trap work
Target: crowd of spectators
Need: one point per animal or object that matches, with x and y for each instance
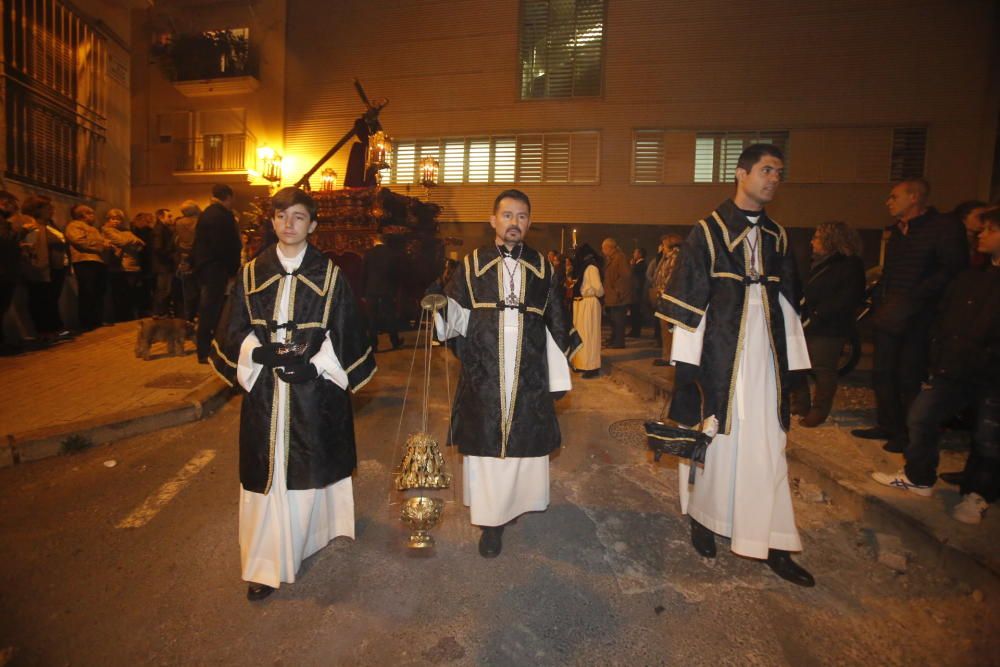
(154, 265)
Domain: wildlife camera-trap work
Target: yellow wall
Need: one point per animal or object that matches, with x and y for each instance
(449, 68)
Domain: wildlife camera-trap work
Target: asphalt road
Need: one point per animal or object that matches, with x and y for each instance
(139, 564)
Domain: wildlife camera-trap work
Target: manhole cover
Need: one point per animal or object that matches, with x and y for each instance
(629, 432)
(177, 381)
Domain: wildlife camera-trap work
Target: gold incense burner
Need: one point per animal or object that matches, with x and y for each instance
(421, 514)
(423, 465)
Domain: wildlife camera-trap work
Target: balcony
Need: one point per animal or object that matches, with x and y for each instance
(216, 62)
(215, 154)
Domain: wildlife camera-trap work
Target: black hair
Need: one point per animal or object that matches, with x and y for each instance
(965, 208)
(511, 194)
(290, 196)
(221, 191)
(160, 212)
(752, 154)
(992, 218)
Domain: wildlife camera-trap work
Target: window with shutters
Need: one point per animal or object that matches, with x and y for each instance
(564, 157)
(55, 71)
(909, 147)
(561, 48)
(676, 156)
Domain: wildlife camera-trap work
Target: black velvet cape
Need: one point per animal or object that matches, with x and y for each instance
(712, 271)
(478, 426)
(319, 423)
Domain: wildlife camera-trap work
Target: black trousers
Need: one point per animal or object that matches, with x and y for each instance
(126, 289)
(187, 295)
(6, 297)
(899, 366)
(382, 317)
(164, 304)
(824, 353)
(91, 280)
(212, 280)
(635, 315)
(617, 316)
(940, 399)
(43, 302)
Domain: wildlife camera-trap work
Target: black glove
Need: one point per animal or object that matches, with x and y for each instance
(298, 372)
(270, 355)
(434, 288)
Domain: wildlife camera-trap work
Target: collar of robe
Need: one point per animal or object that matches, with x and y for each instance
(735, 225)
(312, 271)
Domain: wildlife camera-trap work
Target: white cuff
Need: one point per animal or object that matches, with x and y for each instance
(795, 338)
(247, 369)
(329, 365)
(560, 378)
(687, 345)
(457, 324)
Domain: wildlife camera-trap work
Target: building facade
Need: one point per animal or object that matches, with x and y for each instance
(616, 117)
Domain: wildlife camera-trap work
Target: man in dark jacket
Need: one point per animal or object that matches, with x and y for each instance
(965, 370)
(636, 311)
(163, 264)
(216, 259)
(381, 286)
(923, 253)
(617, 290)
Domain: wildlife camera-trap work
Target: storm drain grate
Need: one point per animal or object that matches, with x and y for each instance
(176, 381)
(629, 432)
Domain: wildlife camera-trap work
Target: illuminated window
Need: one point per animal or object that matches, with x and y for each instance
(562, 42)
(565, 157)
(668, 156)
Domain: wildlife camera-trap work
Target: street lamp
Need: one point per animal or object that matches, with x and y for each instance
(272, 164)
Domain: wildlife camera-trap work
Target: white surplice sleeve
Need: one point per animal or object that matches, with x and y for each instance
(329, 365)
(457, 324)
(560, 378)
(592, 282)
(795, 338)
(247, 369)
(687, 344)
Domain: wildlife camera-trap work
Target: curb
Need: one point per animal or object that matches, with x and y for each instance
(844, 489)
(42, 443)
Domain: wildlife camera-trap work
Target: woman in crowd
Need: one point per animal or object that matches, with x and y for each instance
(142, 226)
(124, 268)
(46, 262)
(970, 213)
(670, 249)
(833, 294)
(587, 292)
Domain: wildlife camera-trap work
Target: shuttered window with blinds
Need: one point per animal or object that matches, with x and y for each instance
(55, 70)
(561, 48)
(674, 156)
(909, 147)
(564, 157)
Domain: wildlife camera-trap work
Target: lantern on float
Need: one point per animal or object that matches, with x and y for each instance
(429, 170)
(329, 179)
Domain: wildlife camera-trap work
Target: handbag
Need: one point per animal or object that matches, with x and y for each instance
(666, 436)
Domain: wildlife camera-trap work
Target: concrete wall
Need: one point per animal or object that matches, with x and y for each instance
(812, 67)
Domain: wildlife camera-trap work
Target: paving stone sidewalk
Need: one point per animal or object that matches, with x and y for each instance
(94, 386)
(842, 465)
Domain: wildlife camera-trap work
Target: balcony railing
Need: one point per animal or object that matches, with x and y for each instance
(215, 153)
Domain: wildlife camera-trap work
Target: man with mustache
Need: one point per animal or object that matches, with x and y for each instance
(505, 302)
(732, 300)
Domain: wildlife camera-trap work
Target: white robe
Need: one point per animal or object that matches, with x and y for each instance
(497, 490)
(587, 320)
(742, 492)
(281, 528)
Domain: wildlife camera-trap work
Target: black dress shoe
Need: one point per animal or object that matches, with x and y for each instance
(258, 592)
(781, 564)
(587, 375)
(876, 433)
(660, 362)
(491, 541)
(703, 540)
(895, 446)
(955, 478)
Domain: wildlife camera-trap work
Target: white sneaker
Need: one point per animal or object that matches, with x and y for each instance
(899, 480)
(971, 509)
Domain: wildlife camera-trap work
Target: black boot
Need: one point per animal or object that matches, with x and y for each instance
(258, 592)
(703, 539)
(782, 564)
(491, 541)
